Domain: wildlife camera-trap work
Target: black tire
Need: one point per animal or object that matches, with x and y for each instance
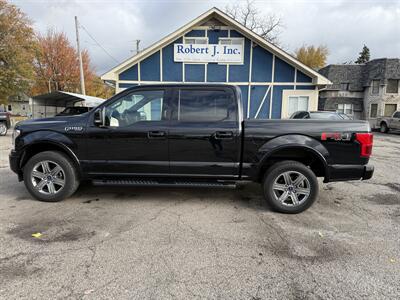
(275, 173)
(384, 128)
(70, 178)
(3, 129)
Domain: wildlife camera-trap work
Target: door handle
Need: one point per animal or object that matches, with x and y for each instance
(226, 135)
(156, 134)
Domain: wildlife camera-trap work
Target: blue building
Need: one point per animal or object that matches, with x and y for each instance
(214, 48)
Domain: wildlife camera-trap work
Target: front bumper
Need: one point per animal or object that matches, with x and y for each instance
(14, 159)
(349, 172)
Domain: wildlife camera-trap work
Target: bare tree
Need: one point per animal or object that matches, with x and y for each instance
(267, 26)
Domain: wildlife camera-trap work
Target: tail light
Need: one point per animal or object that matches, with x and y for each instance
(366, 141)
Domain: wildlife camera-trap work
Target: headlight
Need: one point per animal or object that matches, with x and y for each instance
(15, 134)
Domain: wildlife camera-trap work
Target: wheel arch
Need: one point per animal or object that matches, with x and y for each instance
(37, 147)
(299, 148)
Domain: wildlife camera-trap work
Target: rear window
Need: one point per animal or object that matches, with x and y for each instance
(300, 115)
(325, 116)
(206, 105)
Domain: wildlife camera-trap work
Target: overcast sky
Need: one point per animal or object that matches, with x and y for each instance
(343, 26)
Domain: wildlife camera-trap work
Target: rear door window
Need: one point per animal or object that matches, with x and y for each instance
(201, 105)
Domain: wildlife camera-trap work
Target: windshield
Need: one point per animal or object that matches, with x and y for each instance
(74, 111)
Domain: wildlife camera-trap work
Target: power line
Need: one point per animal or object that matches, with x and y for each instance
(97, 43)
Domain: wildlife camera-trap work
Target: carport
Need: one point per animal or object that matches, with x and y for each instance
(59, 100)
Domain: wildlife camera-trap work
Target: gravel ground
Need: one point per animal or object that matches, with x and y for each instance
(161, 243)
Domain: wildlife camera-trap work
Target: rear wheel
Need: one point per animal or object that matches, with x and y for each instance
(50, 176)
(290, 187)
(384, 128)
(3, 129)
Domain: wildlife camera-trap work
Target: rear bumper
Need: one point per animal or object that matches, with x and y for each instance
(349, 172)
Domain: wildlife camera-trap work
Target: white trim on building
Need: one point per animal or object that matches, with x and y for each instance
(112, 75)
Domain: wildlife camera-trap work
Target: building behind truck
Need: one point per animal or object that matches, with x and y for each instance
(214, 48)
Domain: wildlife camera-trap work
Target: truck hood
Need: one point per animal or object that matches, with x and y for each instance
(50, 123)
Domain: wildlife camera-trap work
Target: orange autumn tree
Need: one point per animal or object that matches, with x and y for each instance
(57, 68)
(17, 43)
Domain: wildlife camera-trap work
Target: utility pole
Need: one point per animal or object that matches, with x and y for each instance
(137, 46)
(83, 92)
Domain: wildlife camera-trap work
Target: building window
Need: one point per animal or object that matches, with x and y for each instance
(390, 109)
(375, 87)
(297, 103)
(196, 40)
(231, 41)
(344, 86)
(392, 86)
(373, 112)
(345, 109)
(9, 108)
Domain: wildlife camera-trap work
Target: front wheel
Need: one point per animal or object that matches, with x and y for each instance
(3, 129)
(290, 187)
(50, 176)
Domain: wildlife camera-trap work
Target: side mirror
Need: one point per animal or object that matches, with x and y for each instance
(99, 117)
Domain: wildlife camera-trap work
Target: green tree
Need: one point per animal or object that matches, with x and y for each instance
(17, 45)
(314, 57)
(364, 56)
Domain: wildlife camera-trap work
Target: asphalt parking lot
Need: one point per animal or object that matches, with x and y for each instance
(156, 243)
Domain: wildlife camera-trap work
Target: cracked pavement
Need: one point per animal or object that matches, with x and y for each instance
(187, 243)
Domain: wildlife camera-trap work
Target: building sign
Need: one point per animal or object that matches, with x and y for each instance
(202, 53)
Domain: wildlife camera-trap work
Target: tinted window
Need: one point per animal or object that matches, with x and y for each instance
(397, 115)
(206, 106)
(300, 115)
(77, 110)
(325, 116)
(134, 107)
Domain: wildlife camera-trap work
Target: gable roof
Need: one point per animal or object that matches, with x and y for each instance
(218, 14)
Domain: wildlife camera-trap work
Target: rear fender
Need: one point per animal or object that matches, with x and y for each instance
(293, 141)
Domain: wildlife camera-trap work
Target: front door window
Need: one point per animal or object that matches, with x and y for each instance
(135, 107)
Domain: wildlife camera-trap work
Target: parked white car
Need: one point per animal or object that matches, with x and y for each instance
(389, 123)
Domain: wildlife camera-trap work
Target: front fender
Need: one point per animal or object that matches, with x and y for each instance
(48, 137)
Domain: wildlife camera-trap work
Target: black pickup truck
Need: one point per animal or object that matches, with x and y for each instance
(188, 135)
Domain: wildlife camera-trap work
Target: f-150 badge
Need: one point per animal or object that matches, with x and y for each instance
(73, 128)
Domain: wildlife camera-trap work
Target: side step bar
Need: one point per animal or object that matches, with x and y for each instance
(163, 183)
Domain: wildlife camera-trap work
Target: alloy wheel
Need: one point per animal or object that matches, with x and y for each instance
(48, 177)
(291, 188)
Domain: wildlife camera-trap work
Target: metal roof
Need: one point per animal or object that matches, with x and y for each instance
(64, 99)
